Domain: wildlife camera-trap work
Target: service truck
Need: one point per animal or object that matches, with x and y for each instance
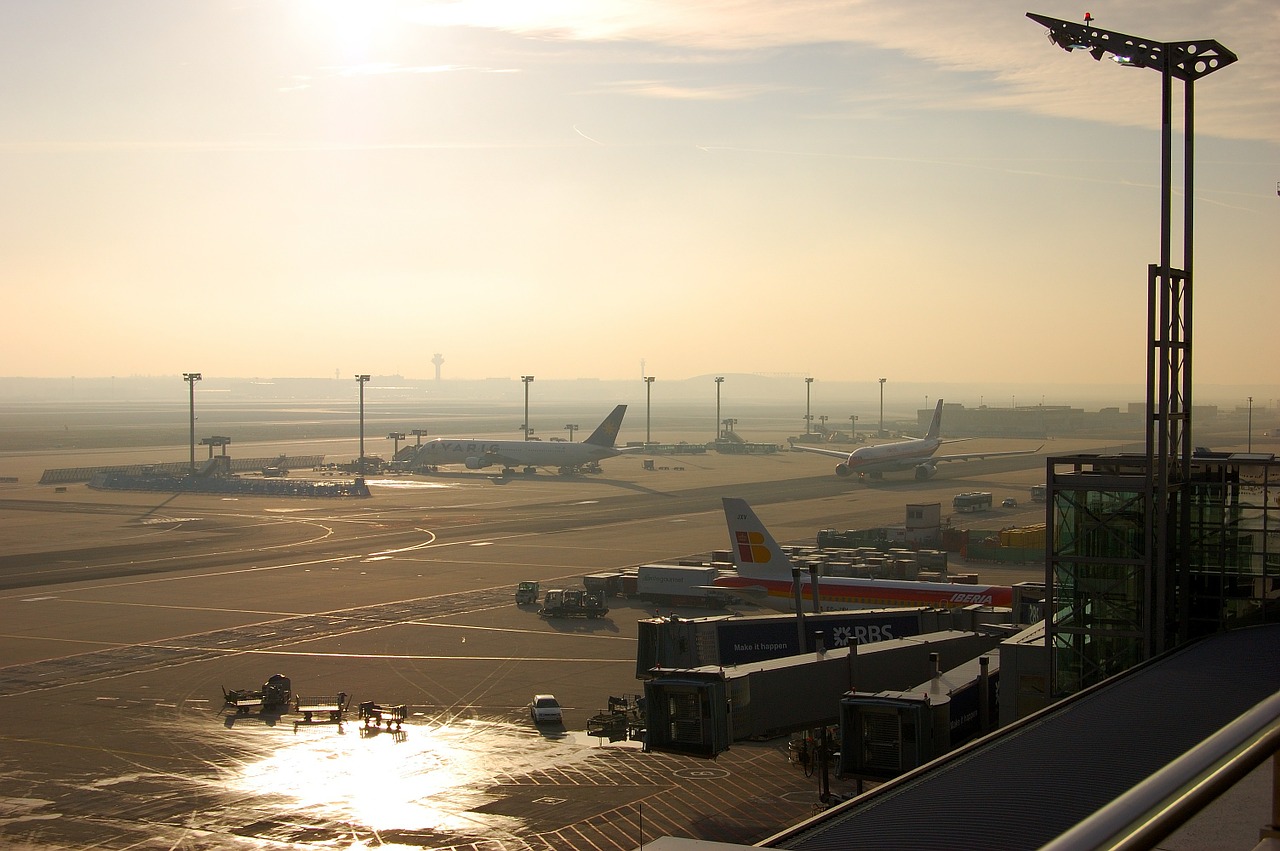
(677, 584)
(526, 593)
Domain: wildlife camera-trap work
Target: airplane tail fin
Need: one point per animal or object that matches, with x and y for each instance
(755, 553)
(607, 432)
(935, 427)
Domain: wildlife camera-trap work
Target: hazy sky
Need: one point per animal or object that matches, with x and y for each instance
(922, 189)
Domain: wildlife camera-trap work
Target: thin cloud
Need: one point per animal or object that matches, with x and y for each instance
(375, 69)
(674, 91)
(1016, 68)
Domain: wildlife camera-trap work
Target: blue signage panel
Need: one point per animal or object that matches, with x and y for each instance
(742, 641)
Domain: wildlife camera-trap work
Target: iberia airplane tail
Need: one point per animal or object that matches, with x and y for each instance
(755, 553)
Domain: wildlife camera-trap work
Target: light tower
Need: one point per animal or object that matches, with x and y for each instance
(191, 378)
(1250, 448)
(571, 428)
(361, 380)
(396, 436)
(527, 379)
(719, 381)
(1165, 577)
(648, 407)
(808, 420)
(882, 381)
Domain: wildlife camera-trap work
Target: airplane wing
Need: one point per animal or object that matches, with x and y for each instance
(496, 456)
(820, 450)
(975, 456)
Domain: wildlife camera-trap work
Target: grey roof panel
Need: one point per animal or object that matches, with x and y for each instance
(1025, 787)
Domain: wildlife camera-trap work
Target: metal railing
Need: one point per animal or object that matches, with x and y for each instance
(1159, 805)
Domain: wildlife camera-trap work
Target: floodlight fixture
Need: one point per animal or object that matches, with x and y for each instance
(1184, 60)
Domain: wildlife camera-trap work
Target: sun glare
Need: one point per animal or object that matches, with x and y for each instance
(582, 17)
(357, 28)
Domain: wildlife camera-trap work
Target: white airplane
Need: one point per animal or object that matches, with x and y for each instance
(478, 453)
(764, 575)
(915, 453)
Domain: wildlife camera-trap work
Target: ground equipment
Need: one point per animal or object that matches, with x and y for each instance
(272, 697)
(375, 714)
(572, 603)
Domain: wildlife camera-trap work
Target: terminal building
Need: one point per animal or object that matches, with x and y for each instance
(1151, 688)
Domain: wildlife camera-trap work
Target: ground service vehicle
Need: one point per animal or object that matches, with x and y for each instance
(677, 585)
(976, 501)
(545, 709)
(526, 593)
(572, 603)
(272, 697)
(374, 714)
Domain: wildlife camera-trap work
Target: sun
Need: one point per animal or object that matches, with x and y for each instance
(360, 30)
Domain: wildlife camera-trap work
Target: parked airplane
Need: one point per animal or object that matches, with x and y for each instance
(478, 453)
(764, 575)
(916, 453)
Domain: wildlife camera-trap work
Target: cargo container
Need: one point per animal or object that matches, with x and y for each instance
(604, 584)
(677, 585)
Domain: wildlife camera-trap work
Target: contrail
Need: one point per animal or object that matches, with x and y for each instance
(585, 136)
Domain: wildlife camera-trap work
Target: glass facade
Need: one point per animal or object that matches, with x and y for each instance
(1104, 586)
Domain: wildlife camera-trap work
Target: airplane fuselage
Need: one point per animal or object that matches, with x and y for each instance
(765, 575)
(849, 593)
(891, 457)
(477, 454)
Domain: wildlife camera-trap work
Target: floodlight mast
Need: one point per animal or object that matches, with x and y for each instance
(191, 378)
(1169, 290)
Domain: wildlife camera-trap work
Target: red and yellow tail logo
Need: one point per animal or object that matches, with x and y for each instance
(751, 549)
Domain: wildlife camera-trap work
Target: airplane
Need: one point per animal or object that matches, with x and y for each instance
(764, 576)
(915, 453)
(478, 453)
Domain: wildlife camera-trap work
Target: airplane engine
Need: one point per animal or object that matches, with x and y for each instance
(925, 471)
(843, 471)
(474, 463)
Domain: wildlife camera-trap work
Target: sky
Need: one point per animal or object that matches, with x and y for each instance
(614, 188)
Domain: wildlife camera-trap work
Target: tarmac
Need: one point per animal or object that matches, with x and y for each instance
(126, 614)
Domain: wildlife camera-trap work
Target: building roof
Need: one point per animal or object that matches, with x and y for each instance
(1028, 783)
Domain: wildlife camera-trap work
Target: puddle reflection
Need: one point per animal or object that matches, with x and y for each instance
(426, 776)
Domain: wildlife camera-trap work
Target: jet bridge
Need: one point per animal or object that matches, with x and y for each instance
(891, 732)
(701, 711)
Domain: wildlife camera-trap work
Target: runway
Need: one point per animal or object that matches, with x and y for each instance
(125, 615)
